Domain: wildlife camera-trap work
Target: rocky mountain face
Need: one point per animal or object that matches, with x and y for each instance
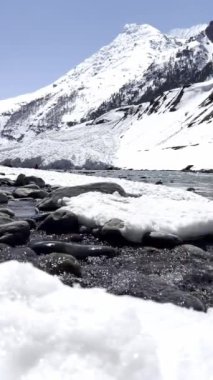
(132, 76)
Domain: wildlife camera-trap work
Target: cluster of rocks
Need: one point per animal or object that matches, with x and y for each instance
(162, 268)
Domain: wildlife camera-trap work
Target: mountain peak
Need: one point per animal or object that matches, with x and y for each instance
(144, 29)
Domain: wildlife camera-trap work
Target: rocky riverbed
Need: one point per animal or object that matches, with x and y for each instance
(33, 228)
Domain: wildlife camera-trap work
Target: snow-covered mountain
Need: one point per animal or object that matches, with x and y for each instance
(134, 99)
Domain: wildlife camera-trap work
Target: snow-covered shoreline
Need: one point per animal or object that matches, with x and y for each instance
(156, 208)
(51, 331)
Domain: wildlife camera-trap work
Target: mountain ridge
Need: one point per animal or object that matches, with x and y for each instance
(138, 66)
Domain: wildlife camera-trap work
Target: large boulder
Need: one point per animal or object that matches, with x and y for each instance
(7, 182)
(58, 263)
(7, 211)
(23, 180)
(26, 192)
(14, 233)
(77, 250)
(112, 231)
(54, 201)
(3, 197)
(161, 240)
(60, 221)
(5, 218)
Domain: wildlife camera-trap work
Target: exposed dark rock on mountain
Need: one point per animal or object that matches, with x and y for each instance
(209, 31)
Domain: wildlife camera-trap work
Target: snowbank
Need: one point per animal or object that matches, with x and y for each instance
(49, 331)
(157, 208)
(186, 218)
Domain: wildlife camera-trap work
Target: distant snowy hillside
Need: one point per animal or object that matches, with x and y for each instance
(135, 95)
(188, 32)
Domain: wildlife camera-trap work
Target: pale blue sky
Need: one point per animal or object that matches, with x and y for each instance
(40, 40)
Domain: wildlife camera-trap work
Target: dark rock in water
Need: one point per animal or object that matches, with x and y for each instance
(191, 189)
(31, 223)
(161, 240)
(209, 31)
(52, 203)
(159, 182)
(23, 180)
(5, 218)
(3, 197)
(84, 230)
(23, 254)
(25, 192)
(14, 233)
(7, 211)
(187, 168)
(153, 288)
(59, 263)
(76, 250)
(60, 221)
(112, 231)
(7, 182)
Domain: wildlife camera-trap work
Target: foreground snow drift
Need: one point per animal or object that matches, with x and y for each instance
(156, 208)
(49, 331)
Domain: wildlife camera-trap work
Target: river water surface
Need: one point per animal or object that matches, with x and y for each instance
(202, 183)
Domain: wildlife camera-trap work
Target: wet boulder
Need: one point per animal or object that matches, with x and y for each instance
(14, 233)
(54, 201)
(61, 222)
(112, 231)
(161, 240)
(23, 180)
(3, 197)
(58, 263)
(26, 192)
(79, 251)
(7, 211)
(5, 218)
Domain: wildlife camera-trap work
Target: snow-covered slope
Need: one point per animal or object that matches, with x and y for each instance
(99, 111)
(188, 32)
(171, 132)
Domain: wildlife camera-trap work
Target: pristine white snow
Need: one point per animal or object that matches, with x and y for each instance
(156, 208)
(49, 331)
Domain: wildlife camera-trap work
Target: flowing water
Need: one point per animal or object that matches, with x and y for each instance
(202, 183)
